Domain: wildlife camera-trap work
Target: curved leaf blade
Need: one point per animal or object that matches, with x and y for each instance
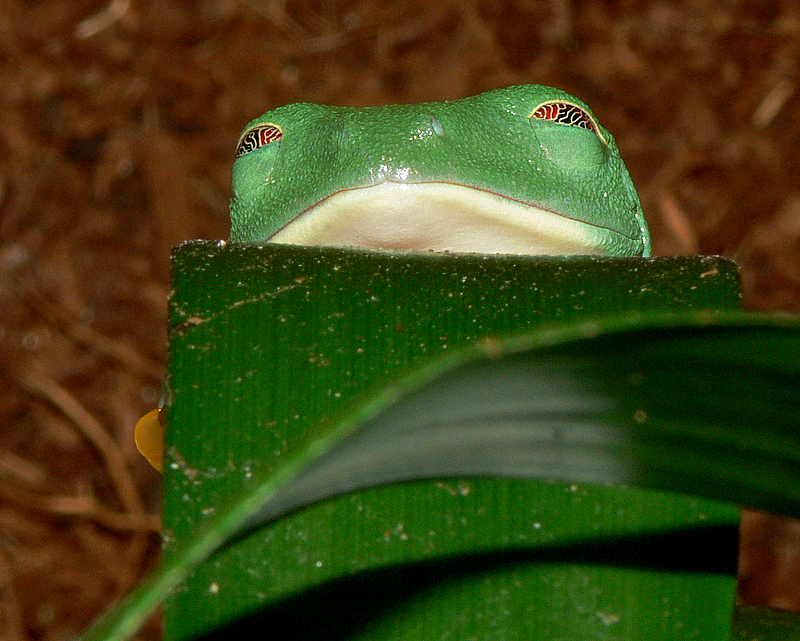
(702, 404)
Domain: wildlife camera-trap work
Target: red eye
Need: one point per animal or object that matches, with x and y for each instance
(258, 136)
(566, 113)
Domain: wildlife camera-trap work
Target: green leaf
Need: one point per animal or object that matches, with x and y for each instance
(671, 403)
(698, 403)
(763, 624)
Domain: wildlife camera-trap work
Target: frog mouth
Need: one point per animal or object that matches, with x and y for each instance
(441, 217)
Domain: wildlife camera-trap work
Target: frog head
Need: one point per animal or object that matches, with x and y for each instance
(521, 170)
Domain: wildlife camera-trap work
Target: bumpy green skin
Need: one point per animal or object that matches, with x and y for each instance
(486, 141)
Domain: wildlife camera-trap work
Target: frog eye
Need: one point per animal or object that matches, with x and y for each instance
(567, 113)
(258, 136)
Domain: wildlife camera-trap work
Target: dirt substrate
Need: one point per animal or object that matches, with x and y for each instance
(117, 127)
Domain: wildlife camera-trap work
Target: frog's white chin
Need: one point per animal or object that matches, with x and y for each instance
(437, 217)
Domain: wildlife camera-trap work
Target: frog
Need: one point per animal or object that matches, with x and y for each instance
(520, 170)
(525, 169)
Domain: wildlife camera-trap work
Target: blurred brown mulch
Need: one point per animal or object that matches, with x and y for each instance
(117, 127)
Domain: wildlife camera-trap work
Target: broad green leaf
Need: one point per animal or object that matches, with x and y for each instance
(762, 624)
(698, 403)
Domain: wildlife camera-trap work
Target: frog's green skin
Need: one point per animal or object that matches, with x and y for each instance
(523, 170)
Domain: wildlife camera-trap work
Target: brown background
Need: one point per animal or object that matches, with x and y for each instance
(117, 127)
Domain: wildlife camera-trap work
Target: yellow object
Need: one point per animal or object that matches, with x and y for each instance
(149, 437)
